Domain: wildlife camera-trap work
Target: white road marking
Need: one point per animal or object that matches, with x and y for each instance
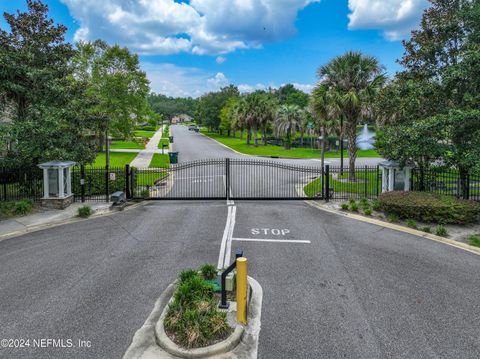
(221, 256)
(272, 240)
(273, 231)
(228, 250)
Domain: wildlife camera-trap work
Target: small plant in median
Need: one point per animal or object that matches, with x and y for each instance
(367, 212)
(427, 229)
(85, 211)
(193, 319)
(392, 217)
(344, 206)
(209, 271)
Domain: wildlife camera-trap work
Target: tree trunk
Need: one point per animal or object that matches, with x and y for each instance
(241, 134)
(352, 148)
(255, 136)
(249, 136)
(265, 136)
(287, 142)
(323, 146)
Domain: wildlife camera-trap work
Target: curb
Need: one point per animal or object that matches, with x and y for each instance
(399, 228)
(216, 349)
(148, 341)
(39, 227)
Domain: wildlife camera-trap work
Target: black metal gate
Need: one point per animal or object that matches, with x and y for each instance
(247, 179)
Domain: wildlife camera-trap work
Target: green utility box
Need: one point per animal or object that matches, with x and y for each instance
(173, 157)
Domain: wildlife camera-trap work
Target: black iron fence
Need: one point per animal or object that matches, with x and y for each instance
(235, 179)
(20, 183)
(362, 182)
(96, 184)
(446, 181)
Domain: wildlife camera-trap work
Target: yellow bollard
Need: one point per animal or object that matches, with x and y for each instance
(242, 290)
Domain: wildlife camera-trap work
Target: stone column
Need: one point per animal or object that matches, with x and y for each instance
(61, 192)
(46, 185)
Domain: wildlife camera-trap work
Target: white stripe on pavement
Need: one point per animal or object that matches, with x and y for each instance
(271, 240)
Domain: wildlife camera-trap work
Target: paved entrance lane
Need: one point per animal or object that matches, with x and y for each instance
(358, 291)
(195, 146)
(98, 279)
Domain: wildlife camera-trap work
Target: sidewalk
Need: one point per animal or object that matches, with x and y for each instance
(43, 218)
(145, 156)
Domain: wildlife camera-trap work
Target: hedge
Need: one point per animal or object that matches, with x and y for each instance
(429, 207)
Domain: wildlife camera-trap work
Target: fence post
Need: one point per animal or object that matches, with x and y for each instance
(227, 178)
(327, 183)
(82, 182)
(366, 182)
(377, 179)
(4, 176)
(107, 183)
(127, 181)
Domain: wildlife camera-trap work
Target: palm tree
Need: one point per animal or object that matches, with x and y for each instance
(352, 81)
(287, 122)
(322, 108)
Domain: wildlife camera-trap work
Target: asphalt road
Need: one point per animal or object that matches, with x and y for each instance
(355, 291)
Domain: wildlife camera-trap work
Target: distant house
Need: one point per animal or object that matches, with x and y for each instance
(181, 119)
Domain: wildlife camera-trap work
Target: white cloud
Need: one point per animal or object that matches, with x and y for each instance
(218, 81)
(176, 81)
(199, 27)
(396, 18)
(220, 60)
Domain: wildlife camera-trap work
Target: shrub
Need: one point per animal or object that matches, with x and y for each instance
(23, 207)
(441, 231)
(429, 207)
(85, 211)
(208, 271)
(354, 206)
(145, 193)
(411, 223)
(392, 217)
(192, 318)
(187, 274)
(344, 206)
(367, 212)
(352, 201)
(474, 240)
(427, 229)
(364, 202)
(376, 205)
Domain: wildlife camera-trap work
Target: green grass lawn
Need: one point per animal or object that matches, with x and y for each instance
(164, 141)
(117, 159)
(239, 145)
(364, 188)
(127, 145)
(147, 134)
(160, 161)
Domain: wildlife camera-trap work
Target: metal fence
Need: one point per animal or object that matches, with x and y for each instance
(234, 179)
(20, 183)
(446, 181)
(362, 182)
(96, 184)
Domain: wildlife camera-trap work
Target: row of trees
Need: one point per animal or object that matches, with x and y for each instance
(430, 112)
(58, 100)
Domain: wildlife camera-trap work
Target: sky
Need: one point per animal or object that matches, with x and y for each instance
(188, 48)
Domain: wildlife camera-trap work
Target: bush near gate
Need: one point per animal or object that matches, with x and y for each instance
(429, 207)
(15, 208)
(192, 319)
